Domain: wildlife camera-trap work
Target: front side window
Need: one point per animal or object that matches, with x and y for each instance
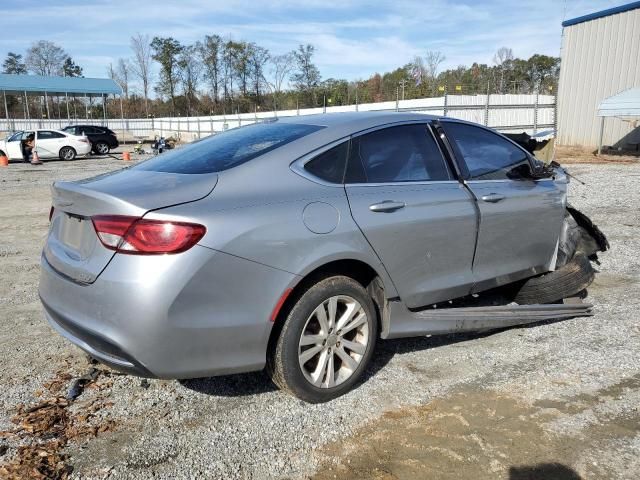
(487, 155)
(406, 153)
(15, 137)
(228, 149)
(329, 166)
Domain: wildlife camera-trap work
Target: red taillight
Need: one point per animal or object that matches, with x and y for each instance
(138, 236)
(51, 213)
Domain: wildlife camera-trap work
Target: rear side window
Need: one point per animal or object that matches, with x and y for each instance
(228, 149)
(329, 166)
(47, 134)
(406, 153)
(487, 155)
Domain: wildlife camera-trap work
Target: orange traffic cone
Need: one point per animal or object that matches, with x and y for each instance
(4, 161)
(35, 160)
(126, 156)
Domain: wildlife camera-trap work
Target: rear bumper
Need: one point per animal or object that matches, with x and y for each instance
(195, 314)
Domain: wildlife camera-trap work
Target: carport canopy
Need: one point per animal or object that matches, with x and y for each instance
(39, 85)
(623, 104)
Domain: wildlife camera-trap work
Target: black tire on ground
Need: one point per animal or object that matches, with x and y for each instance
(101, 148)
(283, 364)
(67, 153)
(564, 282)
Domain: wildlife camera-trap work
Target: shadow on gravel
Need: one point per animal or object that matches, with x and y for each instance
(243, 384)
(543, 471)
(238, 385)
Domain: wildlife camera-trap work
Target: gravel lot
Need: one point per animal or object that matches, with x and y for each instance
(473, 406)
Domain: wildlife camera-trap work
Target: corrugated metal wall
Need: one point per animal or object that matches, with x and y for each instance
(599, 58)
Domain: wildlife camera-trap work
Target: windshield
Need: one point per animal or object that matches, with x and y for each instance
(228, 149)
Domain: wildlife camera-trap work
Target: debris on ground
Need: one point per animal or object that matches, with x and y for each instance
(45, 429)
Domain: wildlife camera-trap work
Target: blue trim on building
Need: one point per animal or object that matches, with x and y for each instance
(603, 13)
(58, 85)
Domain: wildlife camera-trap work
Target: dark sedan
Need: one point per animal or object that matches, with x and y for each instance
(102, 139)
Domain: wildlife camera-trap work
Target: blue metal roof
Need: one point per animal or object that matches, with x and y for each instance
(603, 13)
(58, 85)
(623, 104)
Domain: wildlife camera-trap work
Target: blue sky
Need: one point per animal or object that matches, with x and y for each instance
(353, 38)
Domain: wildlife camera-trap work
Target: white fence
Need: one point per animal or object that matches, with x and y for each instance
(507, 113)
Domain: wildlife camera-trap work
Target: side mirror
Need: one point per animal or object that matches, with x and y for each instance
(521, 172)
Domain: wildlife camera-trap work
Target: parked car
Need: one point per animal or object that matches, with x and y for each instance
(294, 244)
(102, 139)
(48, 143)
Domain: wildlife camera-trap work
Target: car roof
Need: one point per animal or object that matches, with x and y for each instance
(356, 121)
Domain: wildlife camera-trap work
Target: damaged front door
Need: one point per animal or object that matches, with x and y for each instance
(520, 217)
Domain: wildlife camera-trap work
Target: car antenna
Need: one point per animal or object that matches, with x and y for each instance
(567, 173)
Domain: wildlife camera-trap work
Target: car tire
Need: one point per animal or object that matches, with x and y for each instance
(566, 281)
(67, 153)
(101, 148)
(326, 341)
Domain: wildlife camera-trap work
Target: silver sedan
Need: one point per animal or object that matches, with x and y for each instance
(295, 244)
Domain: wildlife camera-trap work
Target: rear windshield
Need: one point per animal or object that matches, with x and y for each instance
(228, 149)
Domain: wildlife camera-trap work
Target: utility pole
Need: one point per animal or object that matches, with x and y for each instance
(402, 84)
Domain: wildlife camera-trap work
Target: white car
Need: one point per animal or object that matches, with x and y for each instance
(48, 143)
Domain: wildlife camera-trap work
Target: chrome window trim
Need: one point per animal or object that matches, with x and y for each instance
(297, 166)
(395, 184)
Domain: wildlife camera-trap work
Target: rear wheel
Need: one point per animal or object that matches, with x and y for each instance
(326, 342)
(67, 153)
(101, 148)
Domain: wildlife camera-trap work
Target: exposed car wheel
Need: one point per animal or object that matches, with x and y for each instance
(101, 148)
(564, 282)
(326, 341)
(67, 153)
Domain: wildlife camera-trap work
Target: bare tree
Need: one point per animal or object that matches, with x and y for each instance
(45, 58)
(280, 67)
(432, 62)
(141, 64)
(123, 72)
(503, 59)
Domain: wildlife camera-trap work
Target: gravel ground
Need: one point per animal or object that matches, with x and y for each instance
(579, 380)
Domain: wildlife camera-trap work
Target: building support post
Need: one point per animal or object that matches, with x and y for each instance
(601, 135)
(66, 99)
(6, 110)
(46, 104)
(104, 110)
(122, 118)
(26, 103)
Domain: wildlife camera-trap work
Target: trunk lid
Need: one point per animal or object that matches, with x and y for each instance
(73, 247)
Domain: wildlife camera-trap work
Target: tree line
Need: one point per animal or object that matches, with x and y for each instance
(223, 76)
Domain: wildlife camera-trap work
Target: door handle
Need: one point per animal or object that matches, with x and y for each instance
(493, 198)
(387, 206)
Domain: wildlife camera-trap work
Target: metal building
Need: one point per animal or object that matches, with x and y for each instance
(600, 57)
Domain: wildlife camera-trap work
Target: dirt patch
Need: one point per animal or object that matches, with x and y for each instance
(476, 434)
(568, 155)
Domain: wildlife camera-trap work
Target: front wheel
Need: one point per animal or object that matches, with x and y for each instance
(67, 153)
(326, 342)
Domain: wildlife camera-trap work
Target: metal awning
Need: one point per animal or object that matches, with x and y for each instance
(39, 85)
(623, 104)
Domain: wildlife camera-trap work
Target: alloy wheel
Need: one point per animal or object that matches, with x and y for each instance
(333, 341)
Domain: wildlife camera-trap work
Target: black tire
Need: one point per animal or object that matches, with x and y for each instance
(283, 364)
(564, 282)
(101, 148)
(67, 153)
